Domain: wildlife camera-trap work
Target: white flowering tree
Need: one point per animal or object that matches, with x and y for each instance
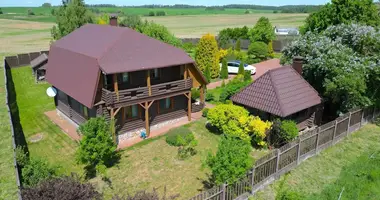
(342, 64)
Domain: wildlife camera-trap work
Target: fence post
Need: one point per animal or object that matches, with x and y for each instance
(362, 118)
(224, 191)
(299, 150)
(253, 179)
(278, 160)
(348, 126)
(316, 146)
(336, 124)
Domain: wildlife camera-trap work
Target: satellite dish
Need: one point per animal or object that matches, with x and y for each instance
(51, 92)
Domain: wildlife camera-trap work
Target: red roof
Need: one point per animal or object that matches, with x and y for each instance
(280, 91)
(76, 60)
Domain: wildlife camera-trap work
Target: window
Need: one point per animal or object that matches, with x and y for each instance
(132, 112)
(125, 77)
(165, 105)
(83, 110)
(154, 74)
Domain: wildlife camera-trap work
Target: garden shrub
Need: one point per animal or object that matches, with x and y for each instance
(270, 49)
(258, 130)
(96, 146)
(22, 157)
(195, 93)
(247, 76)
(187, 151)
(209, 96)
(180, 136)
(241, 69)
(231, 162)
(282, 132)
(224, 70)
(238, 45)
(235, 121)
(207, 74)
(205, 112)
(258, 51)
(68, 188)
(35, 171)
(232, 87)
(207, 55)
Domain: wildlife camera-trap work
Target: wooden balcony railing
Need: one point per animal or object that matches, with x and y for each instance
(111, 98)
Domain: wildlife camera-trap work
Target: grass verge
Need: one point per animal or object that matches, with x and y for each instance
(349, 169)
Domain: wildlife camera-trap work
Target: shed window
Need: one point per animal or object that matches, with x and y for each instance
(125, 77)
(154, 74)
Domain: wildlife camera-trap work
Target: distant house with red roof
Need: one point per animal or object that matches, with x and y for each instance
(118, 73)
(282, 93)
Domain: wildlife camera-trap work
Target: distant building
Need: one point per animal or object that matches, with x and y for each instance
(286, 31)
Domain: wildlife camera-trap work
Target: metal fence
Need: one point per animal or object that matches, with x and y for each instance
(279, 161)
(14, 143)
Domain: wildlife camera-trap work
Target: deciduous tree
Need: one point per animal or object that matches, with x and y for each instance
(263, 31)
(69, 17)
(343, 11)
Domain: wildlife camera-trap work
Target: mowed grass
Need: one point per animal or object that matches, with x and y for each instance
(350, 168)
(32, 102)
(7, 171)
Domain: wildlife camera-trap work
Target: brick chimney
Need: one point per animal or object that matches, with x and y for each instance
(113, 20)
(298, 63)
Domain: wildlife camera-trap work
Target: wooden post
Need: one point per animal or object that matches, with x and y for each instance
(147, 126)
(116, 86)
(224, 187)
(123, 115)
(189, 107)
(348, 126)
(336, 124)
(185, 75)
(113, 124)
(299, 150)
(148, 82)
(202, 94)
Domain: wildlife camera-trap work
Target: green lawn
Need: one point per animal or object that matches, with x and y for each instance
(7, 171)
(32, 102)
(350, 168)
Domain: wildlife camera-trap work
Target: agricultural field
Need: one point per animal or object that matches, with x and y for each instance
(349, 169)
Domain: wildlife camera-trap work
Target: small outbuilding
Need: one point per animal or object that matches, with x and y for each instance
(282, 93)
(39, 67)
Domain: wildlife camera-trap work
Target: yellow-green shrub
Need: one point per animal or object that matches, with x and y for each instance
(207, 55)
(258, 129)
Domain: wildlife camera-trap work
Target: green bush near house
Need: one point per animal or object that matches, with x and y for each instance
(231, 162)
(209, 97)
(282, 132)
(37, 170)
(232, 87)
(205, 112)
(195, 94)
(180, 136)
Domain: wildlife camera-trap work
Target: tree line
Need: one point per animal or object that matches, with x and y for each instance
(282, 9)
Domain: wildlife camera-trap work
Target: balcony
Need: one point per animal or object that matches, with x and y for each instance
(135, 94)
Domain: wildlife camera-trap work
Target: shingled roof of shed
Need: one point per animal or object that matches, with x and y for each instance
(280, 91)
(76, 60)
(38, 61)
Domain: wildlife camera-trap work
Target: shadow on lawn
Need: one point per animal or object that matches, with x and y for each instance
(90, 170)
(18, 131)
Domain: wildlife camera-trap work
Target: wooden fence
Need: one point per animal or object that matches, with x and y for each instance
(14, 140)
(279, 161)
(22, 59)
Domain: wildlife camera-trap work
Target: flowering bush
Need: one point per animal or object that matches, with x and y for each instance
(342, 64)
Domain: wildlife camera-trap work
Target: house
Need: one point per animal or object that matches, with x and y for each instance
(286, 31)
(282, 93)
(118, 73)
(39, 67)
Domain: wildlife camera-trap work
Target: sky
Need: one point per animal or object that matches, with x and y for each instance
(33, 3)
